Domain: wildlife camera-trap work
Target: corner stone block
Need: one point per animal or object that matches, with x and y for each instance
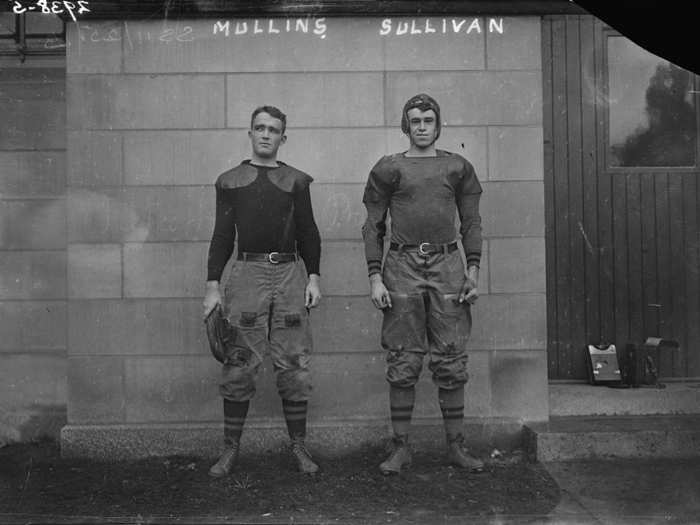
(161, 389)
(346, 324)
(449, 43)
(509, 322)
(338, 210)
(181, 157)
(33, 113)
(253, 45)
(28, 326)
(516, 153)
(145, 101)
(518, 47)
(513, 208)
(477, 392)
(519, 385)
(348, 386)
(32, 173)
(95, 390)
(172, 213)
(33, 381)
(137, 327)
(94, 47)
(343, 268)
(470, 98)
(94, 271)
(160, 270)
(94, 158)
(99, 216)
(33, 224)
(517, 265)
(326, 156)
(310, 99)
(33, 275)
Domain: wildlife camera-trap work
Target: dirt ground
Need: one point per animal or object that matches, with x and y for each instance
(36, 481)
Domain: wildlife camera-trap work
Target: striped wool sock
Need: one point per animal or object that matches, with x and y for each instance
(295, 417)
(452, 407)
(235, 413)
(401, 401)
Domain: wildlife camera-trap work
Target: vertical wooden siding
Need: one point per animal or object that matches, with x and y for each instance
(617, 243)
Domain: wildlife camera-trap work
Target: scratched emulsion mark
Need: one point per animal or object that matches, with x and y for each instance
(589, 246)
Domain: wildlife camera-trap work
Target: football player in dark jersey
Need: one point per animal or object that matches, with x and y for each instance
(422, 285)
(274, 280)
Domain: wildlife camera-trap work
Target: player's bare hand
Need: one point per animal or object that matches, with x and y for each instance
(312, 294)
(211, 299)
(469, 292)
(378, 292)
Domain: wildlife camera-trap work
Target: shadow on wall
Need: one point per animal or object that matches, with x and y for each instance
(103, 217)
(89, 216)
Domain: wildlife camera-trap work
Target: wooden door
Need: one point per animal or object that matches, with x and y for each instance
(621, 196)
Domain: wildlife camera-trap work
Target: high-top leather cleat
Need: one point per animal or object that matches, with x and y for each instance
(458, 454)
(399, 457)
(226, 462)
(305, 464)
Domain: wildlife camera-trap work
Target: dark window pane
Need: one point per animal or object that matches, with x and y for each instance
(7, 24)
(38, 23)
(651, 108)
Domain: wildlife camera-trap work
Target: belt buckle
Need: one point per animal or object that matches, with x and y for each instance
(271, 259)
(421, 249)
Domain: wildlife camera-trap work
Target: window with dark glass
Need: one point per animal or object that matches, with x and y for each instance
(651, 109)
(31, 34)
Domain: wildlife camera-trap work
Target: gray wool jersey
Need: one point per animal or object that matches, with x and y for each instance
(423, 196)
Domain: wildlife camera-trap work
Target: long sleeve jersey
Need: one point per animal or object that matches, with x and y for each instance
(423, 196)
(270, 210)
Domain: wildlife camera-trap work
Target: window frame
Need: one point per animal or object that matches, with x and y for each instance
(23, 49)
(605, 33)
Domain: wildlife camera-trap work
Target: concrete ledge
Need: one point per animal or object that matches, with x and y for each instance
(587, 400)
(583, 438)
(115, 442)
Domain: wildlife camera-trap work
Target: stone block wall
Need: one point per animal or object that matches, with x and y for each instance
(33, 258)
(156, 110)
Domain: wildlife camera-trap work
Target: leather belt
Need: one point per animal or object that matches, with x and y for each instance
(425, 248)
(272, 257)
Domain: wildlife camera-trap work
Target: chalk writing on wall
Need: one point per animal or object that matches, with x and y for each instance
(427, 26)
(387, 26)
(180, 32)
(316, 26)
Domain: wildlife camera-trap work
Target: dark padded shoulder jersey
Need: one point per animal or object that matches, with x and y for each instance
(423, 195)
(270, 210)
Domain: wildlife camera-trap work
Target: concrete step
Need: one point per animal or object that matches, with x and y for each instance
(581, 399)
(582, 438)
